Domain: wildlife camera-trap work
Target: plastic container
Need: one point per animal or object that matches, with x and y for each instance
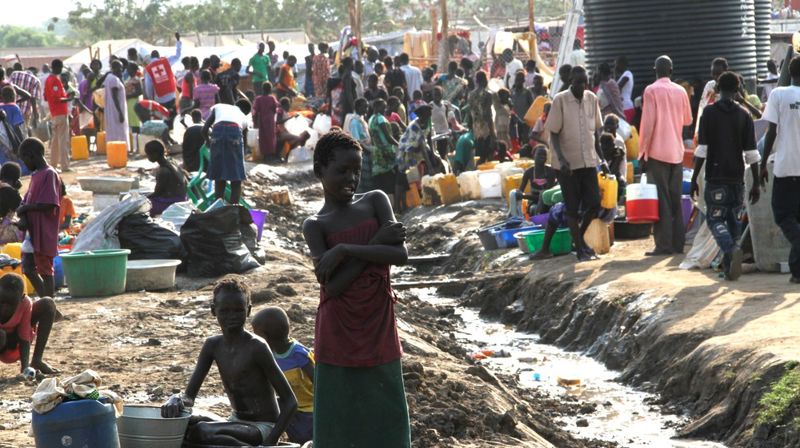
(412, 196)
(686, 187)
(522, 241)
(447, 188)
(629, 174)
(486, 234)
(490, 184)
(597, 237)
(18, 270)
(79, 145)
(686, 206)
(150, 275)
(560, 244)
(523, 164)
(143, 427)
(688, 158)
(58, 269)
(541, 219)
(259, 218)
(80, 424)
(505, 237)
(487, 166)
(469, 186)
(100, 142)
(632, 145)
(117, 154)
(96, 273)
(107, 184)
(511, 183)
(552, 196)
(608, 190)
(641, 202)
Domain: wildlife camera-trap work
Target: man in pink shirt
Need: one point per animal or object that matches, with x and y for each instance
(665, 111)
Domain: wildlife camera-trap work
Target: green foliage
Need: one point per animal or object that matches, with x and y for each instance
(17, 36)
(321, 19)
(782, 396)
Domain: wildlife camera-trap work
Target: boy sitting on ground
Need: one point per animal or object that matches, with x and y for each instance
(297, 363)
(249, 375)
(21, 320)
(170, 179)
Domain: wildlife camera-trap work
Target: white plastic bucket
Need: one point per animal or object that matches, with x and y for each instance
(490, 184)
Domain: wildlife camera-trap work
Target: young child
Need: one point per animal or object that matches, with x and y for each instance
(249, 375)
(10, 200)
(39, 212)
(541, 177)
(297, 363)
(170, 179)
(538, 136)
(615, 156)
(21, 320)
(66, 210)
(359, 398)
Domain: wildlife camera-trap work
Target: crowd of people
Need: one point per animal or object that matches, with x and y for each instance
(392, 122)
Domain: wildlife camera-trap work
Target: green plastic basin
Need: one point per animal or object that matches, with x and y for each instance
(560, 244)
(96, 273)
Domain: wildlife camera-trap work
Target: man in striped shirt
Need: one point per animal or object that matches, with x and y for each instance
(28, 82)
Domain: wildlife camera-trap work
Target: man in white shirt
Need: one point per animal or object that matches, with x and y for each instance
(709, 96)
(783, 114)
(413, 75)
(578, 55)
(513, 65)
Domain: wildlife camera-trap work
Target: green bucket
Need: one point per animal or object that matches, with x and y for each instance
(560, 244)
(96, 273)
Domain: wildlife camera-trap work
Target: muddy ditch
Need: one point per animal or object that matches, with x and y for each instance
(718, 388)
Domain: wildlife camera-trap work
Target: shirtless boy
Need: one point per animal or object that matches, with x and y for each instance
(249, 373)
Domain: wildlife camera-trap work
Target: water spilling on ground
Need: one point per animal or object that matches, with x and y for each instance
(618, 413)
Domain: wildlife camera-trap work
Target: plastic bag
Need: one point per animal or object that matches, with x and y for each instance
(300, 154)
(214, 244)
(147, 240)
(322, 124)
(101, 231)
(178, 213)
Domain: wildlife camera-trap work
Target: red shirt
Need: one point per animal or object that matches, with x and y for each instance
(53, 94)
(358, 328)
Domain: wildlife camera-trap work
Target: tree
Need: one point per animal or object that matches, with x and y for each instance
(17, 36)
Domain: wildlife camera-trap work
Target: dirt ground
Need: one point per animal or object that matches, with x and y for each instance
(144, 345)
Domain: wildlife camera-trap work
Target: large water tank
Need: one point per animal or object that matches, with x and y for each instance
(763, 40)
(691, 32)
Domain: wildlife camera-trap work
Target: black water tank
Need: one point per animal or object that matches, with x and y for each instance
(763, 40)
(691, 32)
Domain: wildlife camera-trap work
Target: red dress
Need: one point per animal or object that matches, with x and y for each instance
(358, 328)
(265, 108)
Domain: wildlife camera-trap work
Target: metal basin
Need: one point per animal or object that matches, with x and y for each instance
(143, 427)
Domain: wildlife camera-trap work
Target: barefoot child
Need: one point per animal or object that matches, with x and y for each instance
(249, 375)
(359, 398)
(22, 320)
(297, 363)
(40, 210)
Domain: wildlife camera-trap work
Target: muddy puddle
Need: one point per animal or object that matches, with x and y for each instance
(611, 411)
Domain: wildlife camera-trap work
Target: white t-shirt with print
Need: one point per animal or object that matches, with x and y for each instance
(783, 109)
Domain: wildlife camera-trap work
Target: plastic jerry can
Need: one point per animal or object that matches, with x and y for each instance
(608, 190)
(629, 174)
(448, 189)
(597, 237)
(81, 423)
(490, 184)
(429, 194)
(632, 145)
(510, 184)
(469, 186)
(80, 147)
(117, 154)
(412, 196)
(100, 142)
(641, 202)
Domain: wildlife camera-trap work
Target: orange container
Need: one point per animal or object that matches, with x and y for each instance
(100, 142)
(688, 158)
(412, 196)
(80, 147)
(117, 156)
(447, 188)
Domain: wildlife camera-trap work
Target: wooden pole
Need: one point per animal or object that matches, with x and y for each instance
(434, 30)
(531, 30)
(354, 10)
(444, 46)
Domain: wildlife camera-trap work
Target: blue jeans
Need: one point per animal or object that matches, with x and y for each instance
(786, 211)
(724, 204)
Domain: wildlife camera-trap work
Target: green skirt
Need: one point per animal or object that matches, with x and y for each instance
(360, 407)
